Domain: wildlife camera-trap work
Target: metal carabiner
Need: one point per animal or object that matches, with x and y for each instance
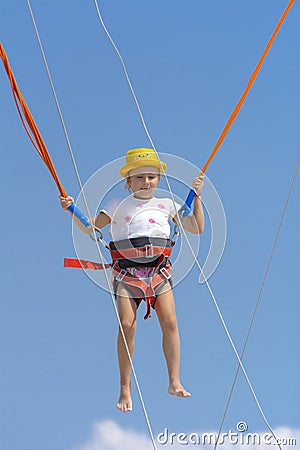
(176, 232)
(99, 237)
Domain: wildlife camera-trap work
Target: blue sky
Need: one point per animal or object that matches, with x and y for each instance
(189, 64)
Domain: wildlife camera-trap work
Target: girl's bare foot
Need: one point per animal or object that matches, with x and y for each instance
(178, 390)
(125, 403)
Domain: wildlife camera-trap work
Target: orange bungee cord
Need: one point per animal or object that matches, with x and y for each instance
(29, 122)
(188, 203)
(34, 134)
(248, 87)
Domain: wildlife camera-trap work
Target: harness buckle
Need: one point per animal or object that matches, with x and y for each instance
(121, 275)
(145, 252)
(165, 273)
(149, 251)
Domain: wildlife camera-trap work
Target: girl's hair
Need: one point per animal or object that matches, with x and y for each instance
(127, 186)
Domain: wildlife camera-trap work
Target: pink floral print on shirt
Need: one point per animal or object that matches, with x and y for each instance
(127, 218)
(152, 220)
(161, 206)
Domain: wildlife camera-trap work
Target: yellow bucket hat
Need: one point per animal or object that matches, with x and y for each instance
(141, 157)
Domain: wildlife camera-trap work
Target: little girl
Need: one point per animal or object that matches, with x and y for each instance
(140, 250)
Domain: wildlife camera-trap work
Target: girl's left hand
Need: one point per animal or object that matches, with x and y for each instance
(197, 184)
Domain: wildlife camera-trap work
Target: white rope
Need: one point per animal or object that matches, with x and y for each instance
(258, 300)
(241, 365)
(93, 229)
(181, 226)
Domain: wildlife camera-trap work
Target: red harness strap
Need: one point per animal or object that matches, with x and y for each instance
(83, 264)
(148, 251)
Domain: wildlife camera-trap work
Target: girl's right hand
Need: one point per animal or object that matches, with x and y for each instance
(65, 202)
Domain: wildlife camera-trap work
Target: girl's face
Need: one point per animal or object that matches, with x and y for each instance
(143, 181)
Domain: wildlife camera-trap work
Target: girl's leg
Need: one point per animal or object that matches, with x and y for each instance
(165, 310)
(127, 313)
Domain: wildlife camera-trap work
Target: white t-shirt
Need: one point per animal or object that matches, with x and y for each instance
(132, 217)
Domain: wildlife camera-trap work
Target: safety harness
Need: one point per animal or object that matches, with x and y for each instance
(151, 253)
(141, 252)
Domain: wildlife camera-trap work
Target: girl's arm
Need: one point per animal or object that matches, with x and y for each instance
(99, 221)
(195, 223)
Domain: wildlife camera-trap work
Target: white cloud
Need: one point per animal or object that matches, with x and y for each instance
(108, 435)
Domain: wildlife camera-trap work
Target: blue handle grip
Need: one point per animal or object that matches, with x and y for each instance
(185, 210)
(77, 213)
(190, 198)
